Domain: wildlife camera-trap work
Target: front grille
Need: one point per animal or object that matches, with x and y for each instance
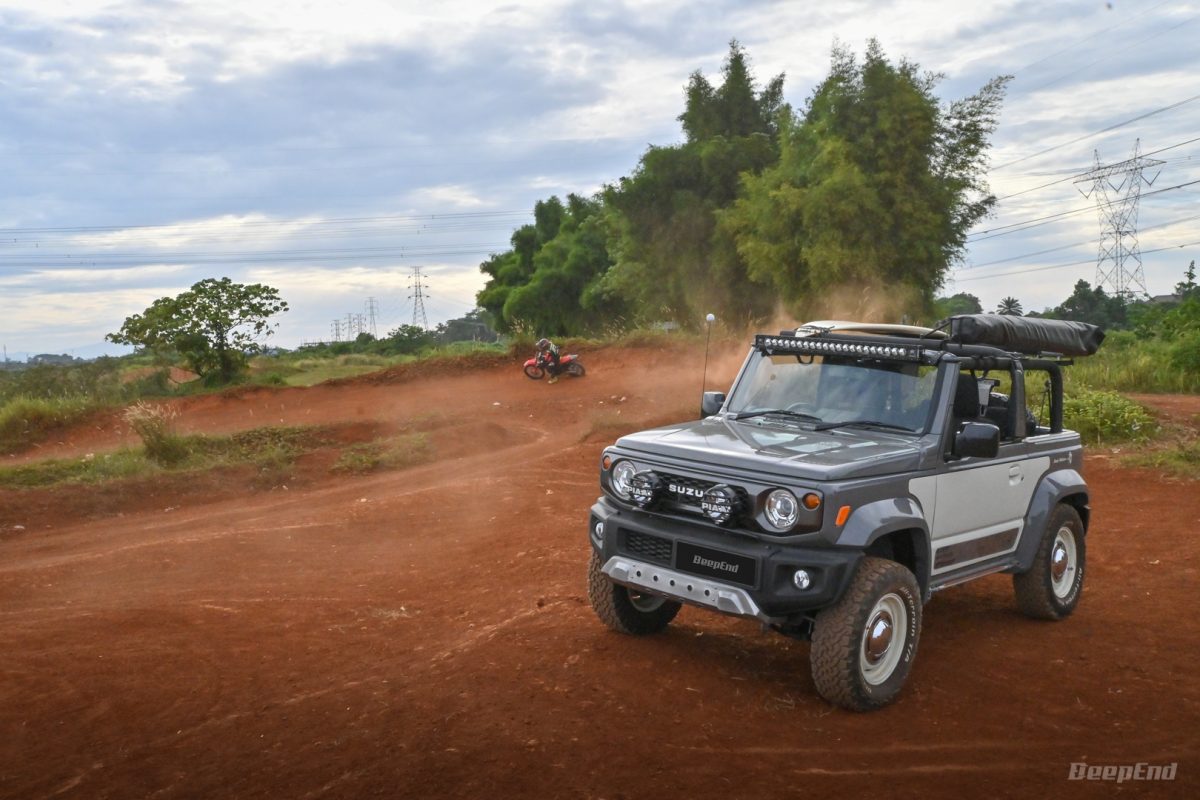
(682, 501)
(650, 547)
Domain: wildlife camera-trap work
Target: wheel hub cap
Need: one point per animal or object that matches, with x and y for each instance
(1059, 562)
(879, 637)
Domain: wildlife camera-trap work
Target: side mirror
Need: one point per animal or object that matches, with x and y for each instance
(977, 440)
(711, 403)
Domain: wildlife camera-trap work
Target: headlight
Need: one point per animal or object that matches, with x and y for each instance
(622, 474)
(782, 509)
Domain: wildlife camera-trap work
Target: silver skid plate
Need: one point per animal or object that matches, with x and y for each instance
(683, 587)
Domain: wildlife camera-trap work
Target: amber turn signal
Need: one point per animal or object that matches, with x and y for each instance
(811, 501)
(606, 462)
(843, 515)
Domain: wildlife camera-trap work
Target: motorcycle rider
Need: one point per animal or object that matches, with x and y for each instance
(548, 355)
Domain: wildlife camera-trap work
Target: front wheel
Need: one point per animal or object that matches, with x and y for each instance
(863, 646)
(534, 372)
(1053, 585)
(575, 369)
(627, 610)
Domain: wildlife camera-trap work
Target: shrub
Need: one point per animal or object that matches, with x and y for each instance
(1107, 417)
(1185, 353)
(156, 427)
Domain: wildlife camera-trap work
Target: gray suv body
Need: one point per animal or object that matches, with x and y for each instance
(852, 471)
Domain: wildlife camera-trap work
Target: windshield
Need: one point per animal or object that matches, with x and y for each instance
(836, 389)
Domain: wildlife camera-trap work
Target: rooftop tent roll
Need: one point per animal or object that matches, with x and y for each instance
(1025, 334)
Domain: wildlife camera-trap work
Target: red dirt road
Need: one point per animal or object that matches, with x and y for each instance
(425, 633)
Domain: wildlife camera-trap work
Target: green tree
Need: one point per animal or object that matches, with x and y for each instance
(1009, 306)
(474, 326)
(549, 280)
(671, 261)
(961, 303)
(1187, 287)
(1091, 304)
(877, 182)
(213, 325)
(408, 339)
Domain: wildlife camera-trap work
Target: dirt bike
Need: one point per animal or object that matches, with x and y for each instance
(536, 367)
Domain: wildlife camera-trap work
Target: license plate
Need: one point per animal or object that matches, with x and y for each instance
(715, 564)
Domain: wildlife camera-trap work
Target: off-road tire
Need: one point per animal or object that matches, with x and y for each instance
(534, 373)
(616, 608)
(839, 637)
(575, 369)
(1035, 590)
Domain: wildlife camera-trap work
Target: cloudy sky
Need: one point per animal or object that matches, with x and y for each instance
(328, 149)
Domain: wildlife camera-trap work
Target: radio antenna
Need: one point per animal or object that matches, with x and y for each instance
(708, 321)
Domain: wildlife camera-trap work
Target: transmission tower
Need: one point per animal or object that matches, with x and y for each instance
(418, 297)
(372, 311)
(1117, 189)
(336, 330)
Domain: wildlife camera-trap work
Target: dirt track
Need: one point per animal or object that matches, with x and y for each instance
(425, 633)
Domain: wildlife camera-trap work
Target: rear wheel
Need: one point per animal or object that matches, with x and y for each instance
(863, 646)
(627, 610)
(534, 372)
(575, 369)
(1052, 586)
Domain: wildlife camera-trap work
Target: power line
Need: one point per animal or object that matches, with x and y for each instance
(1068, 264)
(1114, 127)
(1107, 56)
(1069, 246)
(1038, 221)
(1076, 173)
(1123, 23)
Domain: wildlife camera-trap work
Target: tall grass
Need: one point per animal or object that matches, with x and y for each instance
(26, 420)
(1128, 363)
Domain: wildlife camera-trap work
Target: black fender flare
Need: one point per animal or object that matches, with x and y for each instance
(1055, 487)
(877, 519)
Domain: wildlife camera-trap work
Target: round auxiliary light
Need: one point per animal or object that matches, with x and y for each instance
(622, 474)
(802, 580)
(719, 503)
(811, 501)
(782, 509)
(645, 488)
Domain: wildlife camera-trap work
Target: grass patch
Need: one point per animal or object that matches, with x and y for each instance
(89, 469)
(25, 420)
(272, 449)
(1104, 417)
(1181, 459)
(397, 452)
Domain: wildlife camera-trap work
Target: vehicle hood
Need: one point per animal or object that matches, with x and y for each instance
(780, 448)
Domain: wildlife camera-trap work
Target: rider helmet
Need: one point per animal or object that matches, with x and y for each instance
(543, 344)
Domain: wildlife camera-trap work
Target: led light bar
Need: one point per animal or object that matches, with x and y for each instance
(820, 346)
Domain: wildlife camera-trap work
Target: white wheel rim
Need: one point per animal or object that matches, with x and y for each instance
(1063, 563)
(883, 639)
(645, 602)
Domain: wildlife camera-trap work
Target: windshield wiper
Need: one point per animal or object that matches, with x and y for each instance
(824, 426)
(783, 411)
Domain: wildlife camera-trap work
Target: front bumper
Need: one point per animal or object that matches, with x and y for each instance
(643, 551)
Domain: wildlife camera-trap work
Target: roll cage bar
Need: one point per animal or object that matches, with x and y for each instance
(933, 351)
